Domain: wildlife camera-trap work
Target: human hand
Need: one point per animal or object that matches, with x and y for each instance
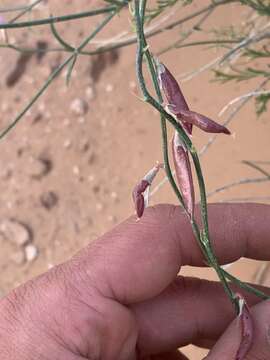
(120, 298)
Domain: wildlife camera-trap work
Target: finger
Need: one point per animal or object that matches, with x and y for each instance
(188, 311)
(227, 346)
(138, 259)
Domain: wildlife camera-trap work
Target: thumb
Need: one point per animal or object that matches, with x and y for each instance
(227, 346)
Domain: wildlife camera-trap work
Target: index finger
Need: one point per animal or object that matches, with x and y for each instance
(137, 260)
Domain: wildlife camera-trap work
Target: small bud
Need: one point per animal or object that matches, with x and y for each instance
(202, 122)
(140, 193)
(246, 324)
(183, 173)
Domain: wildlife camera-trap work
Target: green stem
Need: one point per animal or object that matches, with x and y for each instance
(57, 19)
(141, 50)
(246, 286)
(25, 10)
(162, 118)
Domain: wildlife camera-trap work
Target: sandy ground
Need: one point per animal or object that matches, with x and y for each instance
(68, 169)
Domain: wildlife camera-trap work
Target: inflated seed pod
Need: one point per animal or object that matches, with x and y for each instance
(183, 173)
(140, 193)
(175, 98)
(246, 325)
(202, 122)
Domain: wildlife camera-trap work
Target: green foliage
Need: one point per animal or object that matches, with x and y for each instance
(240, 75)
(261, 6)
(255, 54)
(261, 102)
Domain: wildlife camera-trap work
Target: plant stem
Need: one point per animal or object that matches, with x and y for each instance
(246, 286)
(55, 74)
(56, 19)
(205, 242)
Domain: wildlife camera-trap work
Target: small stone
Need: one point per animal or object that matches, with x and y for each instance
(31, 252)
(91, 178)
(114, 195)
(79, 107)
(15, 232)
(37, 118)
(109, 88)
(39, 167)
(76, 170)
(90, 93)
(18, 257)
(81, 120)
(49, 200)
(67, 144)
(99, 206)
(83, 146)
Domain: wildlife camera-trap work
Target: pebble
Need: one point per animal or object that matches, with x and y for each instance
(109, 88)
(39, 168)
(31, 252)
(81, 120)
(99, 206)
(67, 144)
(79, 107)
(114, 195)
(15, 232)
(90, 93)
(84, 145)
(49, 200)
(76, 170)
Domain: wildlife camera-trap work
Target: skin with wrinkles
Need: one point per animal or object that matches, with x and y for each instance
(121, 295)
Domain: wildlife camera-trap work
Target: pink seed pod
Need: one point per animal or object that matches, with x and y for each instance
(140, 193)
(202, 122)
(173, 93)
(183, 173)
(246, 323)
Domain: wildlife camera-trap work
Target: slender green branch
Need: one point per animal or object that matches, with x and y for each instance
(162, 118)
(61, 41)
(170, 26)
(205, 242)
(55, 74)
(57, 19)
(246, 286)
(25, 11)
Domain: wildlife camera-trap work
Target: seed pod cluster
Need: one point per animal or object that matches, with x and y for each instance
(177, 105)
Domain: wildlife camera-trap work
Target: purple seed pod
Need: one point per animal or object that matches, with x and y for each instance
(183, 173)
(140, 194)
(202, 122)
(173, 93)
(138, 198)
(246, 324)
